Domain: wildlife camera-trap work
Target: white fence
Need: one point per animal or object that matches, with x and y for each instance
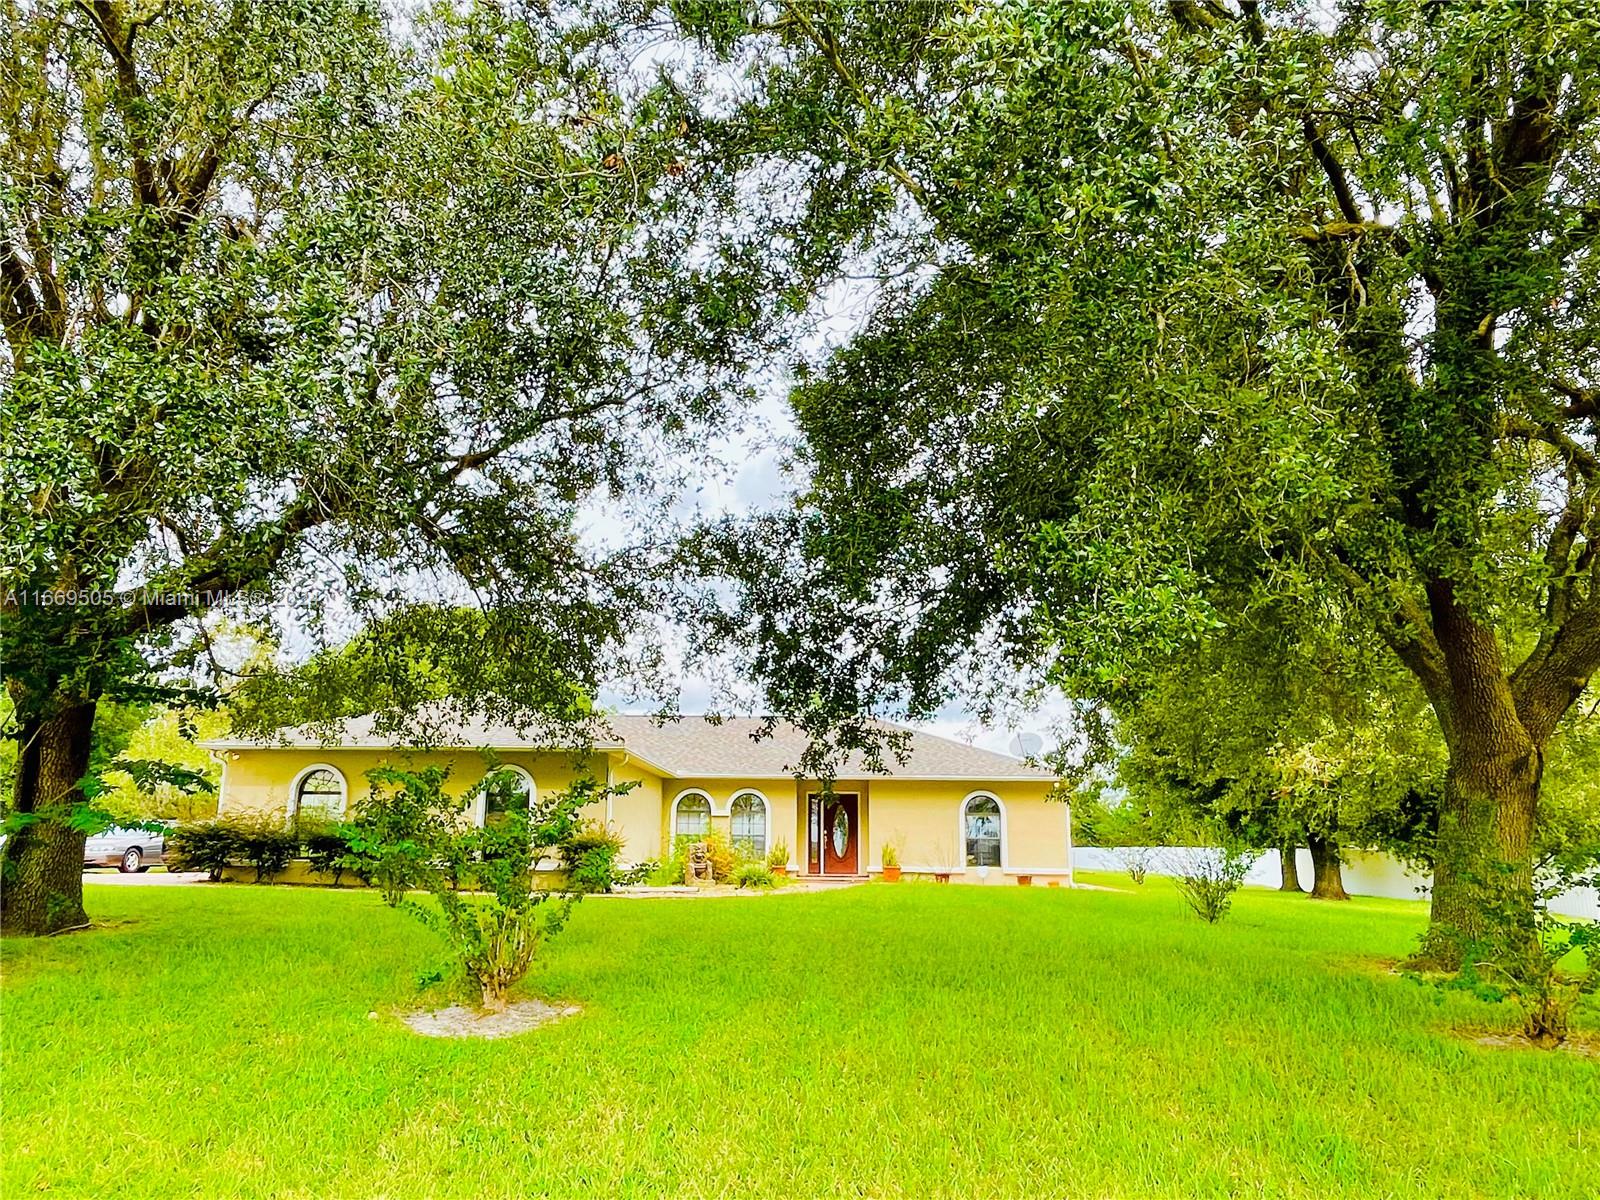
(1365, 874)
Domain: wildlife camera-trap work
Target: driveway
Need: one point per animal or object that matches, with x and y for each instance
(148, 879)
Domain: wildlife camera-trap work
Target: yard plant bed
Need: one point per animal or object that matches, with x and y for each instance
(877, 1041)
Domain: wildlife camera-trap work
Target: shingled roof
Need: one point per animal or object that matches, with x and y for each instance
(695, 746)
(688, 747)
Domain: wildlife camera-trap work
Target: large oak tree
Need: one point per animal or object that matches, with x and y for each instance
(1187, 308)
(308, 316)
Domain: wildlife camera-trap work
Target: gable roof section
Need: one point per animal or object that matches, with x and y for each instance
(690, 747)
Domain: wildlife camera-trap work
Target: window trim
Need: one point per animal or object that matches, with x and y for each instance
(766, 817)
(480, 807)
(961, 831)
(304, 774)
(672, 816)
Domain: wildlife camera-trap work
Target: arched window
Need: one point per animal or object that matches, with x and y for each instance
(509, 790)
(748, 824)
(691, 815)
(982, 819)
(319, 791)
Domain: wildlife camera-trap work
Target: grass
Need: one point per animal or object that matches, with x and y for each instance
(913, 1040)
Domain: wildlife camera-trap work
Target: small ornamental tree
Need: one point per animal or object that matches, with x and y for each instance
(1544, 963)
(398, 838)
(1136, 861)
(494, 931)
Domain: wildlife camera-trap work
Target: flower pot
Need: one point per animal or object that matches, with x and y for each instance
(942, 876)
(781, 871)
(891, 874)
(1025, 880)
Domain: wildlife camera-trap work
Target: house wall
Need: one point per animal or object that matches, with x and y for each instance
(259, 781)
(923, 817)
(778, 793)
(637, 815)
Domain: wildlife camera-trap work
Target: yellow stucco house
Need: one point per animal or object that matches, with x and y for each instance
(949, 808)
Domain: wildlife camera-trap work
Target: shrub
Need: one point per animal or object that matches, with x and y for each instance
(667, 873)
(494, 940)
(410, 834)
(327, 847)
(265, 844)
(778, 856)
(640, 872)
(1539, 985)
(1525, 957)
(1207, 879)
(206, 846)
(589, 855)
(261, 841)
(724, 858)
(891, 855)
(1136, 862)
(401, 830)
(753, 875)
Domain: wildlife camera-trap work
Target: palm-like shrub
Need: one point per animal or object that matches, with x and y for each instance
(590, 856)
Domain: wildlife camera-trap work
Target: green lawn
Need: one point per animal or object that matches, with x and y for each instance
(913, 1040)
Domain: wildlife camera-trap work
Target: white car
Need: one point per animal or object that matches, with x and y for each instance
(127, 850)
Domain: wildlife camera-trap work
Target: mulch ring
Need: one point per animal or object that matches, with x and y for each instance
(459, 1021)
(1585, 1045)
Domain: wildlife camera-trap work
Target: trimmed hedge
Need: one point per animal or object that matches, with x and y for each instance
(267, 843)
(262, 842)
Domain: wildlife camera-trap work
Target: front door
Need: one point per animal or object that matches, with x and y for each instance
(841, 834)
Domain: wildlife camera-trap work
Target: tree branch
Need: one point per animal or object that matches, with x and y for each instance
(1547, 686)
(103, 15)
(825, 42)
(1334, 170)
(1576, 456)
(1406, 629)
(20, 305)
(1585, 400)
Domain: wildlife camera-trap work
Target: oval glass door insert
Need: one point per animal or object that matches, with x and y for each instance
(841, 831)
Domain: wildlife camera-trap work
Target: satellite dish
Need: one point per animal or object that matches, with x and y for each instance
(1027, 745)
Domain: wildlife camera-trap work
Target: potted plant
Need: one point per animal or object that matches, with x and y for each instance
(891, 863)
(944, 863)
(778, 859)
(1025, 880)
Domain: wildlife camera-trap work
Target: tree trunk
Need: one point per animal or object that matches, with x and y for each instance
(42, 870)
(1483, 865)
(1327, 883)
(1483, 855)
(1290, 869)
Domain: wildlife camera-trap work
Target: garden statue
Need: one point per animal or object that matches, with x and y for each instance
(697, 870)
